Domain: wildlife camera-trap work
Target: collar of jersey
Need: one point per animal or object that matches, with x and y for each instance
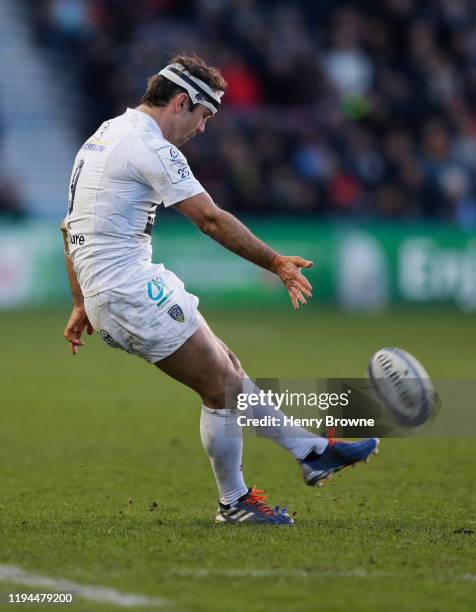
(144, 118)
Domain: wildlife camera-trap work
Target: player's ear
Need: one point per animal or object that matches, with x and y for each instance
(181, 102)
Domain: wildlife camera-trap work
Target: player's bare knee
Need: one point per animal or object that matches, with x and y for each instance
(224, 391)
(236, 364)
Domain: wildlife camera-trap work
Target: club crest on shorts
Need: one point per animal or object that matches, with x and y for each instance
(176, 313)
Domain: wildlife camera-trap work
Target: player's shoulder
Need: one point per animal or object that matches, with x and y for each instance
(158, 144)
(159, 147)
(115, 124)
(107, 136)
(167, 159)
(149, 136)
(130, 123)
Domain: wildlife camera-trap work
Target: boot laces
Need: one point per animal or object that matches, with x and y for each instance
(330, 436)
(257, 497)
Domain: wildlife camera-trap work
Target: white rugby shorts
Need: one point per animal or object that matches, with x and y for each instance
(151, 316)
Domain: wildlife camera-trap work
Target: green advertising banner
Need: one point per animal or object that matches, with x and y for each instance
(358, 267)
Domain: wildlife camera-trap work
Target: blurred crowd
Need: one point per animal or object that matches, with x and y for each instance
(11, 201)
(347, 109)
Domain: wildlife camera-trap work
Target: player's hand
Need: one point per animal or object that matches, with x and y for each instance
(77, 322)
(289, 271)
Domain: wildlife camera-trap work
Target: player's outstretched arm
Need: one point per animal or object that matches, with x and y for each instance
(226, 229)
(78, 319)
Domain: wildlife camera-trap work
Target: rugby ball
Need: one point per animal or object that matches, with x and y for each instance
(403, 385)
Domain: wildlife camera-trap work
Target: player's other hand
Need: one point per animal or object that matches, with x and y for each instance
(77, 322)
(288, 268)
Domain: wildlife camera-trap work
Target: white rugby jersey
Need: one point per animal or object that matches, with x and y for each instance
(120, 175)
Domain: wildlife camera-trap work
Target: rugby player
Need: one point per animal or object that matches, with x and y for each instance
(121, 175)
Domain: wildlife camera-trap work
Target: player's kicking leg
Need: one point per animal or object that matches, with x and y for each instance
(318, 458)
(205, 364)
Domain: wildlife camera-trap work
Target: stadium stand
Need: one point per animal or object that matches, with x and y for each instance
(348, 109)
(37, 135)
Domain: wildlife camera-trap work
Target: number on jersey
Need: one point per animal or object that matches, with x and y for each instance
(74, 183)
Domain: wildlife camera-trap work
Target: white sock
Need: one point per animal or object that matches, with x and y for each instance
(222, 439)
(297, 440)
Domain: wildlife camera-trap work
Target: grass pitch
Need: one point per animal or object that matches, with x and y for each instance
(104, 480)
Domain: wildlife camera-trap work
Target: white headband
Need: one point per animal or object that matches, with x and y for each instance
(198, 90)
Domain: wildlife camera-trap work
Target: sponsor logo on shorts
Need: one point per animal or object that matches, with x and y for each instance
(176, 313)
(156, 292)
(106, 336)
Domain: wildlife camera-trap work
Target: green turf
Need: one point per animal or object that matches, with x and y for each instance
(88, 444)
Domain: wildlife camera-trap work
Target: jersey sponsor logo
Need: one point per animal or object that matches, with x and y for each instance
(176, 313)
(106, 336)
(174, 163)
(76, 239)
(157, 292)
(91, 146)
